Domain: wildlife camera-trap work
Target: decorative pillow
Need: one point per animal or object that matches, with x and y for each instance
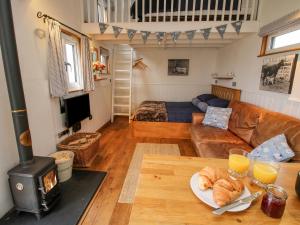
(205, 97)
(274, 149)
(195, 101)
(202, 106)
(218, 102)
(217, 117)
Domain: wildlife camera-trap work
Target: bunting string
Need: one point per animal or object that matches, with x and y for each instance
(160, 36)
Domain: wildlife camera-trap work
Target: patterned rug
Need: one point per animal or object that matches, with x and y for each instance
(132, 177)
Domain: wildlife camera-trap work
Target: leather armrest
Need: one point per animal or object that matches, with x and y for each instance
(197, 118)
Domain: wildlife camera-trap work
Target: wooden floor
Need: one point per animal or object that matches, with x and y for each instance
(114, 156)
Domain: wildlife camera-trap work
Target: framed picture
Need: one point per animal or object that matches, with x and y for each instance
(277, 73)
(178, 67)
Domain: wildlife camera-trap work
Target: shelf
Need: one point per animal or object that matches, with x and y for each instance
(223, 78)
(123, 71)
(121, 114)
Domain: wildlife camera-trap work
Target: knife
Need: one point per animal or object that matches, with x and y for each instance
(246, 200)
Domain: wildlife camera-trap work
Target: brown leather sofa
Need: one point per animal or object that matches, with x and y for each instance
(249, 126)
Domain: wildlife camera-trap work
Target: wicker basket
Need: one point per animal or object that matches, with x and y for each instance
(85, 152)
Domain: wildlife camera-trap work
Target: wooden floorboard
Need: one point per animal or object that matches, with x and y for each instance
(114, 155)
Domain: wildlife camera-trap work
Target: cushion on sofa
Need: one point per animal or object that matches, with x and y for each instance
(195, 101)
(218, 149)
(215, 142)
(202, 106)
(218, 102)
(244, 119)
(206, 97)
(274, 149)
(217, 117)
(272, 124)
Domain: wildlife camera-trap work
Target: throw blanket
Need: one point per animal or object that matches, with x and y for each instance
(152, 111)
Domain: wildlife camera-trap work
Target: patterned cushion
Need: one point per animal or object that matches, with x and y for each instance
(202, 106)
(195, 101)
(274, 149)
(217, 117)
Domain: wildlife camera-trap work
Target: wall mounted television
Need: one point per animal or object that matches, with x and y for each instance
(77, 108)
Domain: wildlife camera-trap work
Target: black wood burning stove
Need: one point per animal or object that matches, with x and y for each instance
(34, 182)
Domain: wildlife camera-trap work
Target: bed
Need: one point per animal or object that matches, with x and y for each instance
(172, 119)
(200, 5)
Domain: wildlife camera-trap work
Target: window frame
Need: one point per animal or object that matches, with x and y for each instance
(268, 39)
(69, 38)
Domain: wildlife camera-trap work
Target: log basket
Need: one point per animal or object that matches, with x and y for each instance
(84, 146)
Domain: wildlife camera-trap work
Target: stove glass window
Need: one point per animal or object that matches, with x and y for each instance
(49, 181)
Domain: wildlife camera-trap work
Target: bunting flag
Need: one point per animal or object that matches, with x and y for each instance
(175, 35)
(237, 26)
(145, 35)
(103, 27)
(131, 33)
(221, 29)
(160, 36)
(205, 32)
(117, 30)
(190, 34)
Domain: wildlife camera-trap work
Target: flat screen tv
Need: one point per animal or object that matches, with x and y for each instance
(77, 108)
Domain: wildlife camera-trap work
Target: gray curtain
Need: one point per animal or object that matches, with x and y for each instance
(87, 70)
(58, 83)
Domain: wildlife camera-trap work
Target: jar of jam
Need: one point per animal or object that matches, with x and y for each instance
(273, 202)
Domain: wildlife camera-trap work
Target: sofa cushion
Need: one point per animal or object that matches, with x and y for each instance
(274, 149)
(218, 102)
(244, 119)
(272, 124)
(205, 134)
(217, 117)
(206, 97)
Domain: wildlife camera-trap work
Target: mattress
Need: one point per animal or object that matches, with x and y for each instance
(180, 112)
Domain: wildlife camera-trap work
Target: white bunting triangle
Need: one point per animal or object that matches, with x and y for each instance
(117, 30)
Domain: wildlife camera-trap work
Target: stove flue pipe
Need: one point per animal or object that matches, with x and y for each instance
(14, 83)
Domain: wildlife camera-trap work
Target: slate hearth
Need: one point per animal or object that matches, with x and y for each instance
(76, 195)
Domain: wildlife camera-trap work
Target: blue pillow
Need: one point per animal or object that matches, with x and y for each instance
(218, 102)
(195, 101)
(274, 149)
(205, 97)
(217, 117)
(202, 106)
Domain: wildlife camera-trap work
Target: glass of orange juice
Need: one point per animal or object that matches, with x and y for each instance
(238, 163)
(265, 172)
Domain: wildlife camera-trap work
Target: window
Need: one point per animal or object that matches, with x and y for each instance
(72, 62)
(283, 41)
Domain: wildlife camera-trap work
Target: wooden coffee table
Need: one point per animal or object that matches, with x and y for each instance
(164, 195)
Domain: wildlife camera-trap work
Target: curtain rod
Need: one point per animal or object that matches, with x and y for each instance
(45, 16)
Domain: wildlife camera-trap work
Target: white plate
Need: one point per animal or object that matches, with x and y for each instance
(207, 195)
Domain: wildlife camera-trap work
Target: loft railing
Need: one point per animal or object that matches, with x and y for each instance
(132, 11)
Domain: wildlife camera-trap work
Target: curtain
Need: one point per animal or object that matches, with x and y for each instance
(58, 83)
(87, 71)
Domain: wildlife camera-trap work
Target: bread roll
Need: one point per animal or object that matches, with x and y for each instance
(208, 176)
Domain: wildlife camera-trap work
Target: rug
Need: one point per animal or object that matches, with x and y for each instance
(131, 180)
(76, 195)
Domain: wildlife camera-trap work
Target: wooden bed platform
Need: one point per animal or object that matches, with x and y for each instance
(178, 130)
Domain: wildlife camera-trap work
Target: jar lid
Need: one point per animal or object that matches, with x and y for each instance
(277, 191)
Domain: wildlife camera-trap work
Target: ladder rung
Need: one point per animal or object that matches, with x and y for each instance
(118, 96)
(122, 79)
(122, 88)
(123, 61)
(121, 114)
(122, 71)
(121, 105)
